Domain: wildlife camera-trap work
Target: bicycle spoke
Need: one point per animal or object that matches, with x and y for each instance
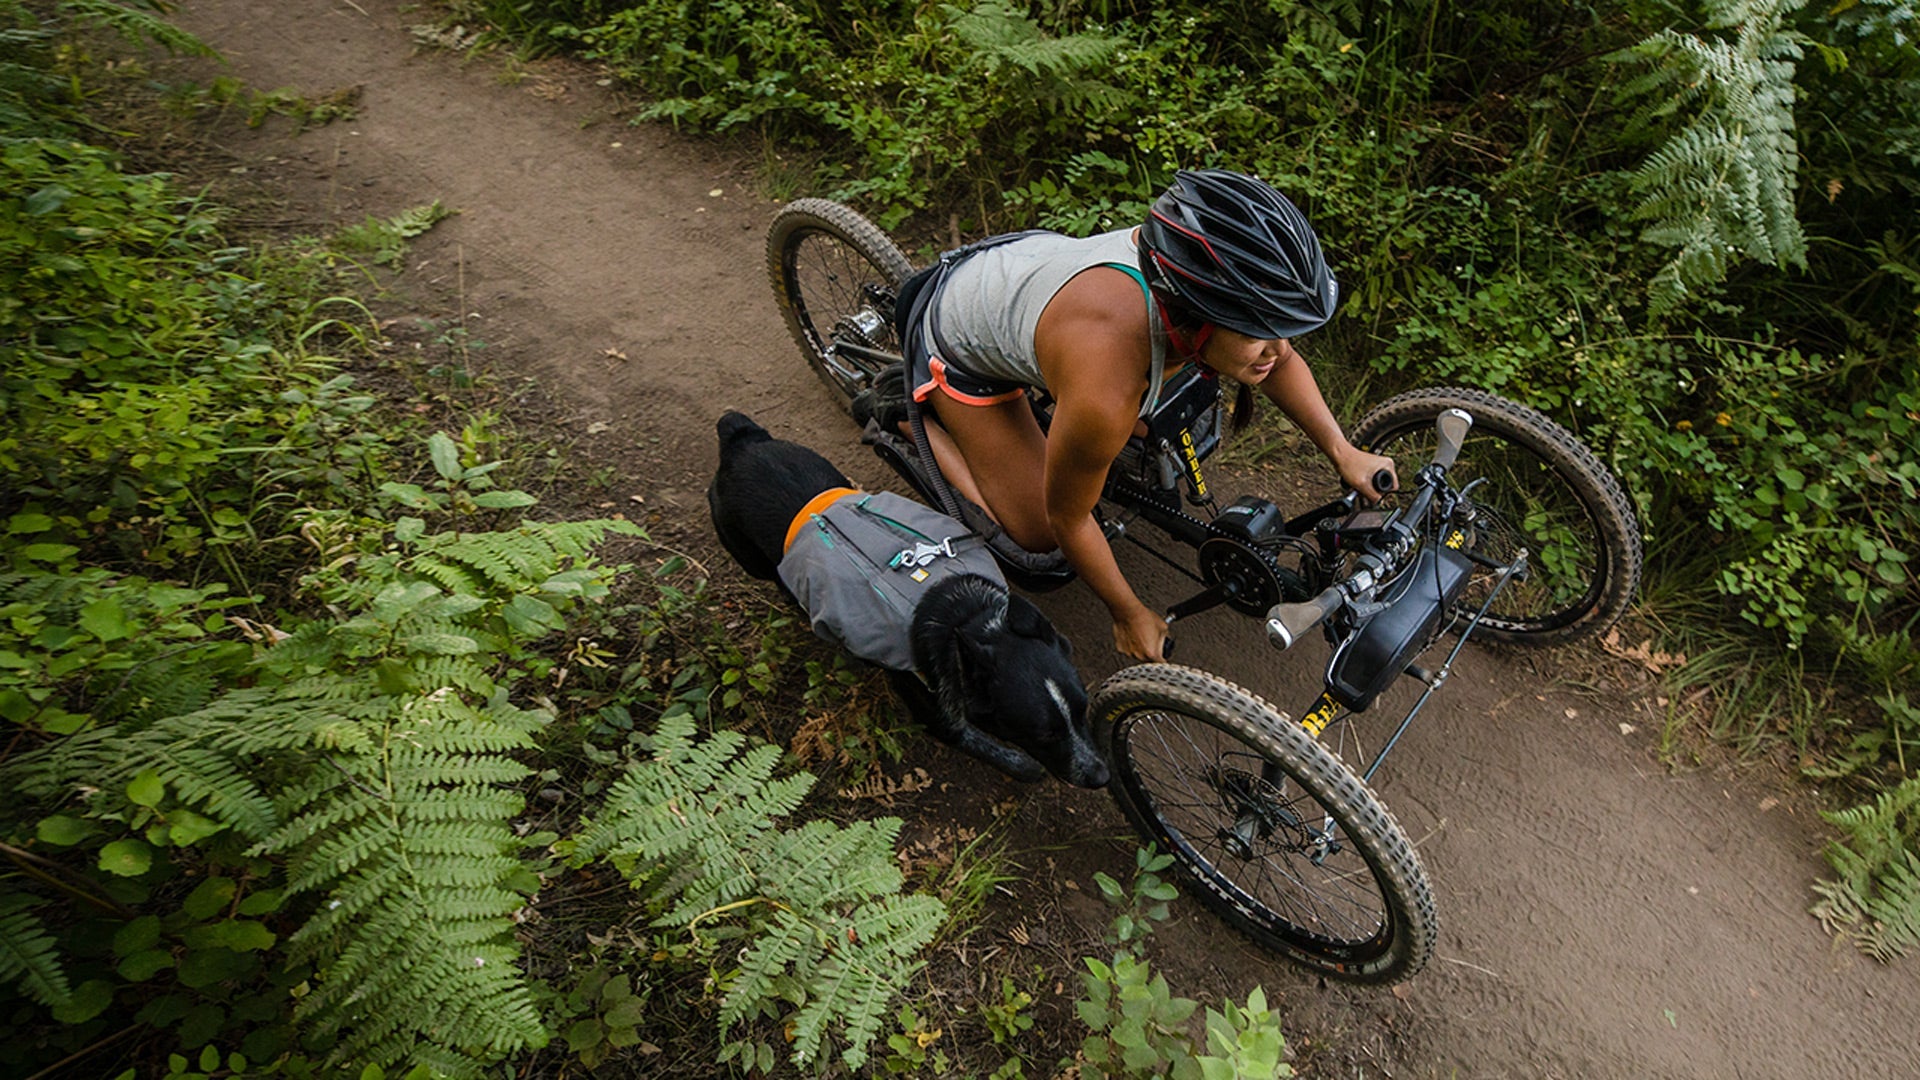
(1533, 487)
(1204, 793)
(835, 274)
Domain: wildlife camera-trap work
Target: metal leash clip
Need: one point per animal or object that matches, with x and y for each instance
(921, 554)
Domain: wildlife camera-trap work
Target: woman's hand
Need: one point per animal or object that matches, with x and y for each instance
(1357, 469)
(1140, 634)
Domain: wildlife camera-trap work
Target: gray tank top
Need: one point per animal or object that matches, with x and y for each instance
(990, 304)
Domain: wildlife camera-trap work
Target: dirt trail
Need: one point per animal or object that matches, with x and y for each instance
(1601, 917)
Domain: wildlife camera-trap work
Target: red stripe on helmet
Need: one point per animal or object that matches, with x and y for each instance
(1177, 227)
(1168, 264)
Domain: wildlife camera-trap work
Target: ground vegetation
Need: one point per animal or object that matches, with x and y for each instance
(1686, 231)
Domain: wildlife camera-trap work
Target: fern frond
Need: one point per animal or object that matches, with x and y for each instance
(1724, 183)
(1003, 37)
(786, 939)
(1876, 833)
(868, 967)
(689, 794)
(1876, 901)
(139, 26)
(410, 846)
(411, 223)
(827, 933)
(831, 864)
(27, 953)
(417, 935)
(209, 778)
(1896, 912)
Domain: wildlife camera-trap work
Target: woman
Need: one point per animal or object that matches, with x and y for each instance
(1223, 273)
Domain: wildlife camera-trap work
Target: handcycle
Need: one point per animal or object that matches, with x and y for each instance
(1510, 531)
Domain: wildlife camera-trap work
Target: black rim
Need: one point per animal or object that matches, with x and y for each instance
(1264, 846)
(1525, 502)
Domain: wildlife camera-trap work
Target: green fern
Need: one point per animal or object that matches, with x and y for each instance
(386, 240)
(406, 834)
(27, 953)
(376, 759)
(138, 21)
(1723, 184)
(1002, 37)
(1876, 900)
(827, 933)
(410, 845)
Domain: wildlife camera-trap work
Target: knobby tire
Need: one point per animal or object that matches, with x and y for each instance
(832, 268)
(1190, 753)
(1546, 492)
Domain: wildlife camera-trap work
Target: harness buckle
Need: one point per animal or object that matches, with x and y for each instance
(921, 554)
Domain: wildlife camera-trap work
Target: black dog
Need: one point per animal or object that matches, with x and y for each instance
(1000, 681)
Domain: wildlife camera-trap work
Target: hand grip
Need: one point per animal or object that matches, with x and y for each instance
(1286, 623)
(1383, 481)
(1452, 426)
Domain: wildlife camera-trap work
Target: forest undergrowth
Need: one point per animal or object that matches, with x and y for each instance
(340, 748)
(1686, 231)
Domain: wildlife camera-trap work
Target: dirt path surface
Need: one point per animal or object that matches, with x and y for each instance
(1601, 917)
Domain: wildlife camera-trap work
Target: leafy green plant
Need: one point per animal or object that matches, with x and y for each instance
(34, 97)
(915, 1046)
(1137, 1027)
(463, 488)
(1142, 902)
(385, 241)
(158, 400)
(814, 925)
(615, 1011)
(85, 647)
(1723, 183)
(1007, 1019)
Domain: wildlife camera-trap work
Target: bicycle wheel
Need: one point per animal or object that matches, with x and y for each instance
(1270, 829)
(1544, 492)
(834, 273)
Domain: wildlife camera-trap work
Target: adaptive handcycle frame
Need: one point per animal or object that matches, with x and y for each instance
(1510, 530)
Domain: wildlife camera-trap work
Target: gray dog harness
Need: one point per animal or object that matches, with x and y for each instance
(860, 563)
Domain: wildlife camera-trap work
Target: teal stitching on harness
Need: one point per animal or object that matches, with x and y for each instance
(899, 525)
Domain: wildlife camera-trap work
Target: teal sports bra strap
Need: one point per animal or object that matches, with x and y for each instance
(1157, 370)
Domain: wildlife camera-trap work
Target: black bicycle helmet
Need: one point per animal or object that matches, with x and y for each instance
(1230, 250)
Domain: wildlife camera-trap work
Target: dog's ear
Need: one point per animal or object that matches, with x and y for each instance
(1026, 621)
(977, 640)
(976, 646)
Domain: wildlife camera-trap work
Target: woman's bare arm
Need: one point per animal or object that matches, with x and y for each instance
(1291, 386)
(1094, 348)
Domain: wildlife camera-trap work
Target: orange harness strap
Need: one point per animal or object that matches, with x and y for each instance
(814, 505)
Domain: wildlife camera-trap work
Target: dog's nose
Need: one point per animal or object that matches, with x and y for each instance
(1096, 777)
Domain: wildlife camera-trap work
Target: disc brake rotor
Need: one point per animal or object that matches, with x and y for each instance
(1261, 812)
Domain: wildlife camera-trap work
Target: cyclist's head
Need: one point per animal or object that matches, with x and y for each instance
(1223, 248)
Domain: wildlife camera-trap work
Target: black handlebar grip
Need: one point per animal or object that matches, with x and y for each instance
(1287, 623)
(1384, 481)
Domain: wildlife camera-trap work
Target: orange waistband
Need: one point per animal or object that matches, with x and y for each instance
(814, 505)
